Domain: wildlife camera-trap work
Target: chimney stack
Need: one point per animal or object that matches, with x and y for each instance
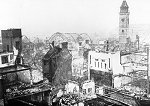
(64, 45)
(87, 41)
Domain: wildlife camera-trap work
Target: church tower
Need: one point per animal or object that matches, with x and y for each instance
(123, 22)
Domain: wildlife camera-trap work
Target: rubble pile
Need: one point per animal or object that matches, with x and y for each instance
(15, 92)
(69, 99)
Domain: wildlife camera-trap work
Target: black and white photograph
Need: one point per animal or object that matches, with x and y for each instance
(74, 52)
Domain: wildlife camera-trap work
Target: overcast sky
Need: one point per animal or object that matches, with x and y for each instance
(45, 17)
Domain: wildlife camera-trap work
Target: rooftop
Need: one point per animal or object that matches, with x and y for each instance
(13, 68)
(124, 4)
(124, 7)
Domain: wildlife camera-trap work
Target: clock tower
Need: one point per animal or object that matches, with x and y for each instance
(123, 22)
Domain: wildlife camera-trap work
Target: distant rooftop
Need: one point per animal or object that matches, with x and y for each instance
(70, 37)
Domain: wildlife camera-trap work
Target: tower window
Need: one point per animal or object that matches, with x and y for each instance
(122, 20)
(80, 43)
(123, 31)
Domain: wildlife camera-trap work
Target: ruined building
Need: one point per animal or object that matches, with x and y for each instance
(11, 40)
(57, 64)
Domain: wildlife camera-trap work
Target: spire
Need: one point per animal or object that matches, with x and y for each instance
(124, 7)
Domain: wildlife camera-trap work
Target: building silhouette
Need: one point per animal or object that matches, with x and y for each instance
(11, 38)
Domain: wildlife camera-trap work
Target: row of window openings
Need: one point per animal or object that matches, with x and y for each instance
(89, 91)
(4, 59)
(97, 59)
(101, 63)
(17, 46)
